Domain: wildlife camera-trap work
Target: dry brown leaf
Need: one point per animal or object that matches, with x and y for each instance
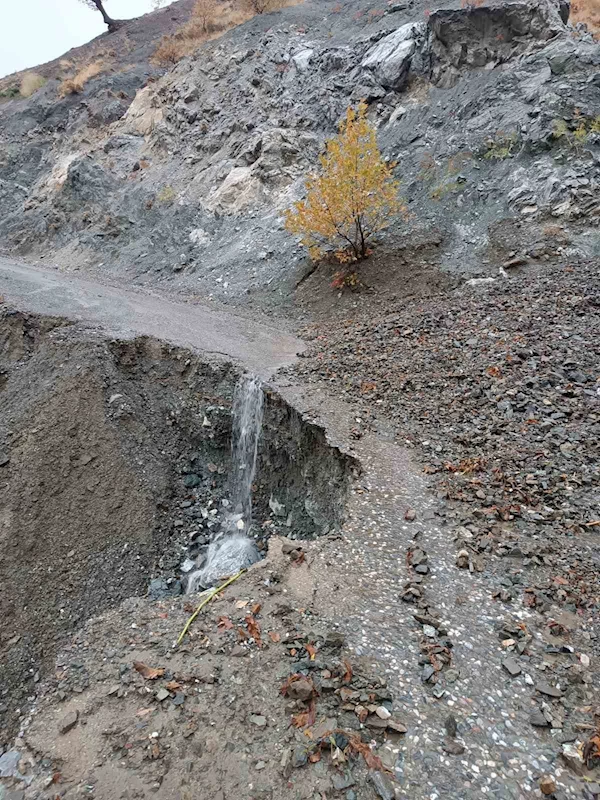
(173, 686)
(253, 629)
(315, 756)
(242, 633)
(149, 673)
(311, 650)
(372, 761)
(348, 673)
(274, 636)
(241, 603)
(224, 623)
(300, 720)
(256, 608)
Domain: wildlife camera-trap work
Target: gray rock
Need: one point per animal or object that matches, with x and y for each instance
(162, 694)
(452, 747)
(511, 666)
(382, 785)
(299, 757)
(9, 764)
(390, 59)
(302, 59)
(68, 722)
(547, 689)
(258, 720)
(341, 782)
(538, 720)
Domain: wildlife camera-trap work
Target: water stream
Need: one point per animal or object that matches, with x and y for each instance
(231, 548)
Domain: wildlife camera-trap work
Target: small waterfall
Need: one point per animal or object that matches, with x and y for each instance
(231, 548)
(247, 425)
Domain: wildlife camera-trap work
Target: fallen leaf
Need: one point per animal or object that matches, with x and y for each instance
(242, 633)
(372, 761)
(224, 623)
(300, 560)
(149, 673)
(348, 673)
(253, 629)
(315, 756)
(274, 636)
(256, 608)
(311, 650)
(173, 686)
(241, 603)
(300, 720)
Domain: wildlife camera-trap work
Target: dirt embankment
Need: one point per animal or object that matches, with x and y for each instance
(111, 451)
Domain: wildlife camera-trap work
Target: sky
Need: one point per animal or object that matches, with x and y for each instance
(35, 31)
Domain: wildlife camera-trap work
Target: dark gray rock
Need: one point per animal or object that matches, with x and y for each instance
(382, 785)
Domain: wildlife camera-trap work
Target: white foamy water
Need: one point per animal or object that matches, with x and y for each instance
(231, 549)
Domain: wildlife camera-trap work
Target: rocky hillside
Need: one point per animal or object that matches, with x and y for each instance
(492, 113)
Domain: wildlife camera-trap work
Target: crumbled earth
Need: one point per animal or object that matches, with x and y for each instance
(497, 390)
(259, 686)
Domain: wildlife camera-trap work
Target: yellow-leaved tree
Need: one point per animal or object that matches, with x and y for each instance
(353, 196)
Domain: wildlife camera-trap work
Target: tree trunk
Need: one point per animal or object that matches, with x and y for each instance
(112, 23)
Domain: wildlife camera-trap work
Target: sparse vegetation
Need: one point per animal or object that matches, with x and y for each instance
(10, 93)
(576, 132)
(76, 83)
(30, 83)
(166, 195)
(353, 197)
(501, 146)
(210, 19)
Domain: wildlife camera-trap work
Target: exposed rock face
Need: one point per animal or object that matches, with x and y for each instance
(468, 102)
(390, 59)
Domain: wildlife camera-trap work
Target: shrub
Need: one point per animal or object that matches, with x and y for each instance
(10, 93)
(30, 83)
(501, 146)
(166, 195)
(75, 84)
(353, 197)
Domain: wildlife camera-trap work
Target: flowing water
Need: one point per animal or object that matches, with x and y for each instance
(231, 548)
(247, 425)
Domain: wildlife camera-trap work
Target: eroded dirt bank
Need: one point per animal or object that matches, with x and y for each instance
(114, 454)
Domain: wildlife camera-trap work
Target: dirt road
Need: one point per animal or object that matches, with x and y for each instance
(258, 347)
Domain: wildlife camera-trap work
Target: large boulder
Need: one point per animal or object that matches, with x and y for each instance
(390, 59)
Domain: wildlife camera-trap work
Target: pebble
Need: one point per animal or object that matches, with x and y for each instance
(258, 720)
(547, 785)
(382, 785)
(68, 722)
(511, 666)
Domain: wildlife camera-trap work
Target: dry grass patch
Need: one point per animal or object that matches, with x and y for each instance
(30, 83)
(587, 11)
(209, 20)
(75, 84)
